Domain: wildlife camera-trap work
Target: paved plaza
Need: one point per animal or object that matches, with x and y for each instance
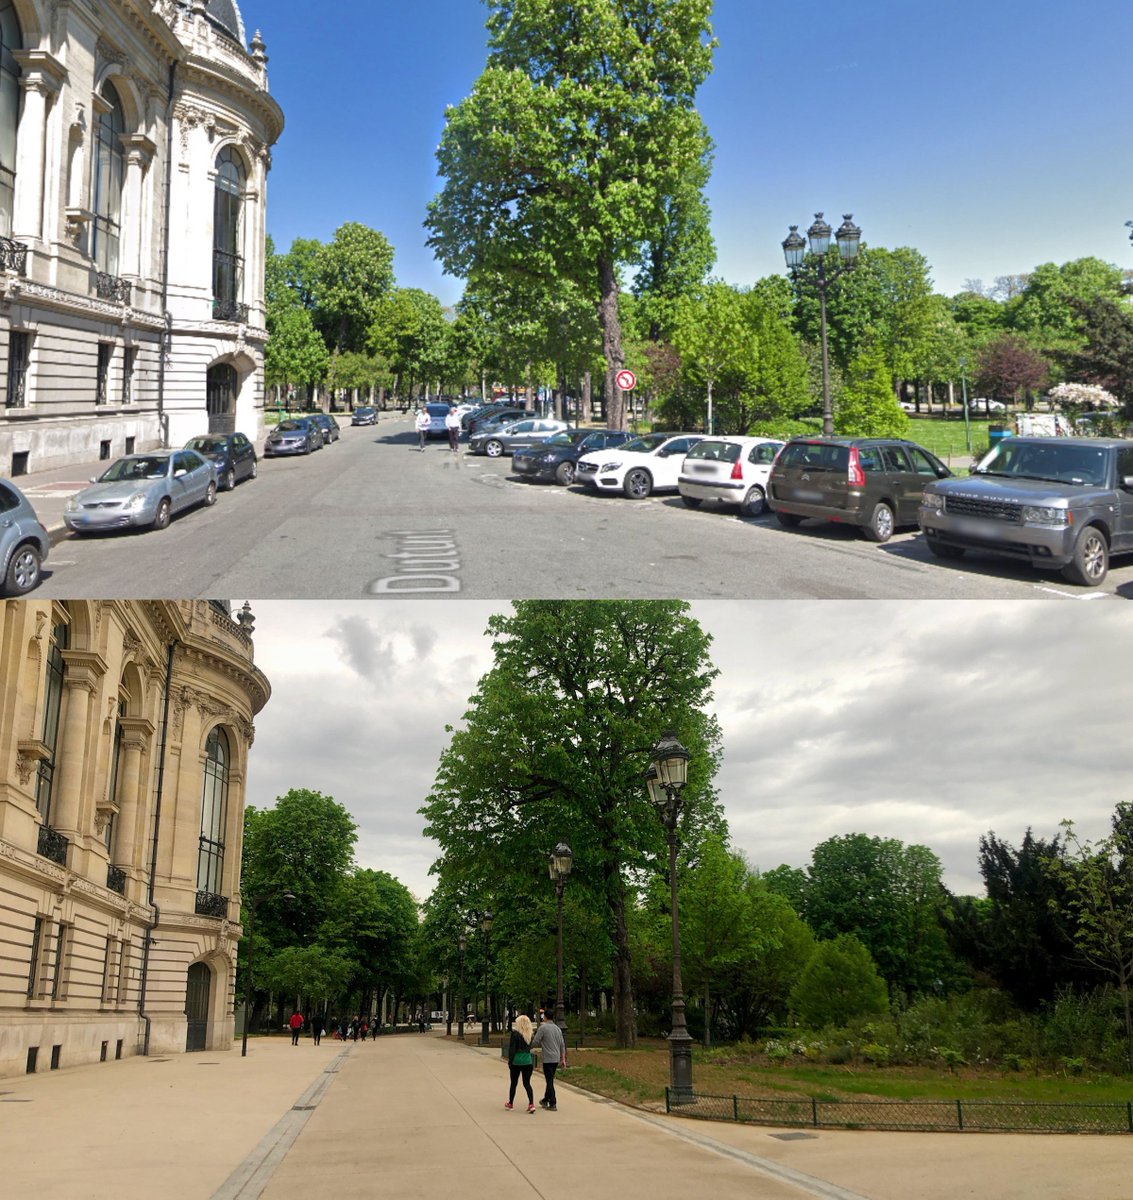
(422, 1116)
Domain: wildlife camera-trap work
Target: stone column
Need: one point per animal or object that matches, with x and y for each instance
(130, 854)
(42, 76)
(139, 154)
(83, 670)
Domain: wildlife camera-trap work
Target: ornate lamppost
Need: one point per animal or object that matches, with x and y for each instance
(252, 904)
(848, 238)
(666, 780)
(560, 864)
(486, 926)
(463, 943)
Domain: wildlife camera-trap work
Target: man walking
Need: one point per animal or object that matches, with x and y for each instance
(452, 424)
(422, 424)
(296, 1024)
(550, 1037)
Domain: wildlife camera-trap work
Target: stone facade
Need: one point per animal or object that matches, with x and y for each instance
(135, 143)
(125, 728)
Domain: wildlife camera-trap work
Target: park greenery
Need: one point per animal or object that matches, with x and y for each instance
(861, 957)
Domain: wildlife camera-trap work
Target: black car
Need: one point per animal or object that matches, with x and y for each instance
(366, 415)
(328, 425)
(499, 418)
(233, 454)
(481, 410)
(874, 483)
(555, 458)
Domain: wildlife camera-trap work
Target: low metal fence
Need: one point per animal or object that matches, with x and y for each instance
(941, 1116)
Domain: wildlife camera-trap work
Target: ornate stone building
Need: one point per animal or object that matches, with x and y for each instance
(135, 142)
(125, 728)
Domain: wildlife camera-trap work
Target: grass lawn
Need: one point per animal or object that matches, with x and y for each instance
(947, 440)
(639, 1077)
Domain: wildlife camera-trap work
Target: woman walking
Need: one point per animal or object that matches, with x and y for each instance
(519, 1060)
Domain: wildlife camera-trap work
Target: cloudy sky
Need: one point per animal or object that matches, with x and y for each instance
(930, 722)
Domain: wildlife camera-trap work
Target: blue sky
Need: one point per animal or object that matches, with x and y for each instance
(990, 136)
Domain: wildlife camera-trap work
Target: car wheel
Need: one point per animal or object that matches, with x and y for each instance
(23, 571)
(564, 473)
(754, 503)
(255, 469)
(690, 501)
(881, 523)
(229, 479)
(161, 517)
(210, 494)
(943, 550)
(493, 449)
(1090, 563)
(308, 446)
(637, 484)
(788, 520)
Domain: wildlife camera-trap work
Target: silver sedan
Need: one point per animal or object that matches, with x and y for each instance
(141, 490)
(516, 436)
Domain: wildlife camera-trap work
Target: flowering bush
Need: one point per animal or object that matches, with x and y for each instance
(1082, 395)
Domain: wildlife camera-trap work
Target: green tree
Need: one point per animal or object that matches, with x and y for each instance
(1009, 366)
(712, 338)
(354, 273)
(868, 405)
(839, 982)
(1106, 358)
(1045, 312)
(305, 973)
(409, 331)
(1098, 880)
(295, 352)
(555, 743)
(575, 145)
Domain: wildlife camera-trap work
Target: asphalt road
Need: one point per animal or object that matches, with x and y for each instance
(372, 516)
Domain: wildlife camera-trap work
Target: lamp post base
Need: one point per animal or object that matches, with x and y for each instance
(484, 1034)
(680, 1068)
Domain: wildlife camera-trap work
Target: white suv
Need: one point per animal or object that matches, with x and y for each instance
(648, 464)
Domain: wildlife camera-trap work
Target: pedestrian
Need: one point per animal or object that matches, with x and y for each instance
(520, 1060)
(355, 1028)
(422, 424)
(452, 424)
(296, 1024)
(550, 1037)
(318, 1024)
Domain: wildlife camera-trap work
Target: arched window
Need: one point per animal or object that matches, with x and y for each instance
(214, 813)
(115, 778)
(228, 200)
(109, 178)
(11, 39)
(52, 702)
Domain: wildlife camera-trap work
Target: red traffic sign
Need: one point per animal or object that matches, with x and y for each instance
(626, 380)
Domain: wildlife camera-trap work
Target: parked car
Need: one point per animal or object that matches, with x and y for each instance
(498, 417)
(366, 415)
(557, 456)
(143, 489)
(732, 470)
(437, 413)
(232, 453)
(517, 436)
(328, 425)
(297, 435)
(647, 464)
(874, 483)
(483, 410)
(24, 542)
(1058, 503)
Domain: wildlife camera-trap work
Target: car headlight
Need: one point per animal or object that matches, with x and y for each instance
(1037, 514)
(606, 468)
(73, 505)
(933, 501)
(547, 458)
(137, 500)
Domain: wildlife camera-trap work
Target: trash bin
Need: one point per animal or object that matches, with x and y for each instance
(996, 434)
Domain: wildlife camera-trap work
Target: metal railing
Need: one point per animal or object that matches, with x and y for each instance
(209, 904)
(13, 256)
(116, 879)
(229, 310)
(922, 1116)
(52, 845)
(110, 287)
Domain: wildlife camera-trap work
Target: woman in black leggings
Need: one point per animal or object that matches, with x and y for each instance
(520, 1060)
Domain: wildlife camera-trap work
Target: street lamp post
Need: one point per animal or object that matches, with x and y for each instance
(666, 780)
(252, 904)
(486, 926)
(848, 238)
(460, 1020)
(561, 859)
(964, 394)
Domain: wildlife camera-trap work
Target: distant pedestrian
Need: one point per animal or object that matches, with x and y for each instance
(355, 1028)
(422, 425)
(550, 1037)
(452, 424)
(318, 1024)
(520, 1060)
(296, 1024)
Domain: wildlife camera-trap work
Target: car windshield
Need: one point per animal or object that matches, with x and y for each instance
(566, 437)
(1051, 460)
(206, 445)
(126, 469)
(647, 444)
(726, 452)
(292, 427)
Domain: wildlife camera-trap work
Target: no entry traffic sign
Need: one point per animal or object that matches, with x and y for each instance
(626, 380)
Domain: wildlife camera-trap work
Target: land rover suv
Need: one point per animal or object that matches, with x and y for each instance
(1058, 503)
(874, 483)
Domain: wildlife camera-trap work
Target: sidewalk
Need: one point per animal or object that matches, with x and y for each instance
(422, 1116)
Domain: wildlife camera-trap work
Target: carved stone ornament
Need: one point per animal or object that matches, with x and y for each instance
(29, 753)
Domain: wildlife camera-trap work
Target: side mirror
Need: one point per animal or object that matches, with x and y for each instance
(94, 479)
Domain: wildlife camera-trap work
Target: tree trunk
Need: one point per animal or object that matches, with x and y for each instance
(707, 1018)
(611, 326)
(625, 1020)
(584, 409)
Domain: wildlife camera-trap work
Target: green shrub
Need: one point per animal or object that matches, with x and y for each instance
(880, 1056)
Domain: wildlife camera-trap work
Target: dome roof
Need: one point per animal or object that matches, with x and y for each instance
(225, 15)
